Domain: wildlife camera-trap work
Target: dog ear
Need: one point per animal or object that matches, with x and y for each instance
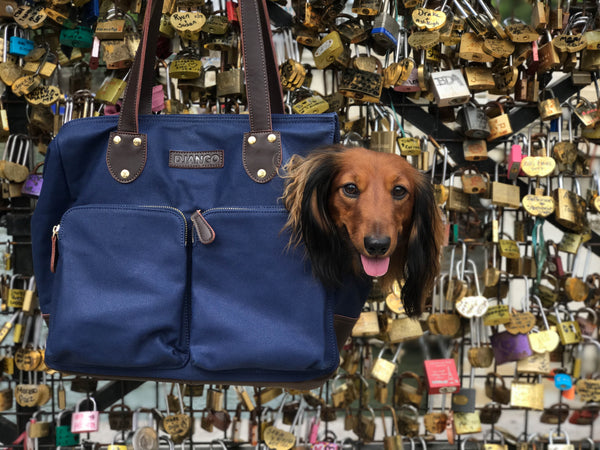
(306, 196)
(423, 249)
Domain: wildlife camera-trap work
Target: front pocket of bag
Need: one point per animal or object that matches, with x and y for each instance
(255, 304)
(119, 294)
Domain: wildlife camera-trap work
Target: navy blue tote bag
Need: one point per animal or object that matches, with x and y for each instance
(158, 244)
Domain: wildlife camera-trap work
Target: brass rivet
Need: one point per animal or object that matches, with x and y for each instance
(124, 173)
(137, 142)
(271, 138)
(261, 173)
(252, 140)
(117, 139)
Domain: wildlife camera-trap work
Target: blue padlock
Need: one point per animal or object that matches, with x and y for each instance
(20, 46)
(563, 381)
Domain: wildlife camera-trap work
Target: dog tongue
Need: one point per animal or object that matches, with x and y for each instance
(375, 267)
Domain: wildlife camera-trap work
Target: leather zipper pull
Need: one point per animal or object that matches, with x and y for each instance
(205, 233)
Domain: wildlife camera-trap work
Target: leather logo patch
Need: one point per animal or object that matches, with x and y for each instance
(213, 159)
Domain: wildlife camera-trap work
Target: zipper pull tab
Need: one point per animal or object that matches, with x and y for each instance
(54, 254)
(206, 234)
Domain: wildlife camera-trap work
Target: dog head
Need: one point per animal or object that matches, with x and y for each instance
(368, 213)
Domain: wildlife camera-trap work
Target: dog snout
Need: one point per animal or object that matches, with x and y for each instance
(377, 245)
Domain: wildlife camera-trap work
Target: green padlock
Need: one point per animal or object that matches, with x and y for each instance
(64, 437)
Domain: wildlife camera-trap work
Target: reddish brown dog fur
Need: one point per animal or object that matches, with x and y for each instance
(368, 213)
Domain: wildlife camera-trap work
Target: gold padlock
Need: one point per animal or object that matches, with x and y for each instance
(549, 108)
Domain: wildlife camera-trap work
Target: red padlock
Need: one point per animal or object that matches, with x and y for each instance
(232, 12)
(554, 261)
(441, 375)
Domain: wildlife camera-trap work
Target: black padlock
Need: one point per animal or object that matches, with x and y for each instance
(473, 121)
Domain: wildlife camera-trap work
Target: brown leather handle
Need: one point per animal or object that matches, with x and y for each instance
(126, 153)
(263, 85)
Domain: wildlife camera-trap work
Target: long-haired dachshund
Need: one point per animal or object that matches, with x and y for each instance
(364, 212)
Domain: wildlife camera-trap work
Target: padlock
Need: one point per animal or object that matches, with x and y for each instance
(480, 78)
(465, 423)
(385, 28)
(383, 140)
(6, 395)
(562, 380)
(513, 167)
(394, 441)
(548, 56)
(365, 426)
(473, 121)
(409, 393)
(441, 375)
(360, 84)
(408, 421)
(569, 331)
(118, 443)
(487, 446)
(555, 414)
(64, 436)
(32, 185)
(588, 320)
(383, 369)
(16, 295)
(449, 87)
(490, 413)
(120, 417)
(508, 347)
(85, 421)
(499, 124)
(546, 340)
(471, 48)
(570, 206)
(16, 159)
(555, 433)
(464, 400)
(143, 437)
(366, 7)
(497, 392)
(503, 194)
(549, 108)
(331, 50)
(458, 200)
(37, 428)
(527, 395)
(435, 422)
(475, 182)
(30, 301)
(111, 90)
(475, 149)
(366, 325)
(214, 398)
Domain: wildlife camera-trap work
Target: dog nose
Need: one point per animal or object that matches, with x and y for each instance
(377, 245)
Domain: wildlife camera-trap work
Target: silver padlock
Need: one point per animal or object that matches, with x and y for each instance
(449, 87)
(555, 433)
(144, 437)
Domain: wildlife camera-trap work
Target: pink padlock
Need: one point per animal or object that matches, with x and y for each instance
(314, 428)
(85, 421)
(513, 167)
(158, 98)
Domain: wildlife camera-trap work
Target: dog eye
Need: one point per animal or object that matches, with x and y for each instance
(351, 190)
(399, 192)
